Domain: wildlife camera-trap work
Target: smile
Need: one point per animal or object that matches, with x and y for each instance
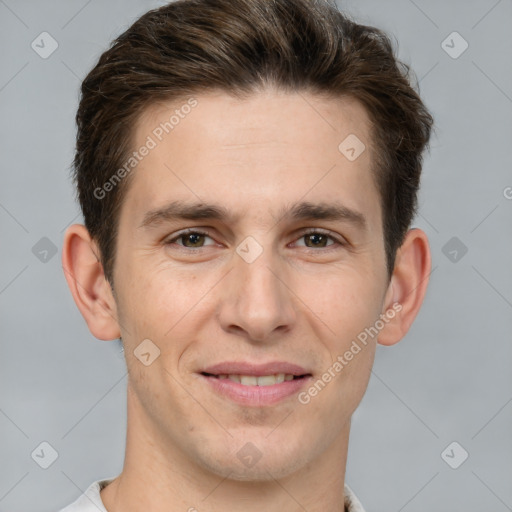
(256, 391)
(263, 380)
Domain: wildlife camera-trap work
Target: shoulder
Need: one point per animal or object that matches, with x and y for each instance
(352, 504)
(90, 500)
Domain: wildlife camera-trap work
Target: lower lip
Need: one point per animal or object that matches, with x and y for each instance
(256, 395)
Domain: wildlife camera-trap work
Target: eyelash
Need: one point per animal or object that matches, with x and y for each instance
(337, 241)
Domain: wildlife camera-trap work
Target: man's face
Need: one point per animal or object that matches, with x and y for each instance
(268, 282)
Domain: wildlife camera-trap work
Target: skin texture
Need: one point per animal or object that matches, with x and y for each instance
(200, 306)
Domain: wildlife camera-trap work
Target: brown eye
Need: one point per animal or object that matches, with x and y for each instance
(191, 240)
(316, 240)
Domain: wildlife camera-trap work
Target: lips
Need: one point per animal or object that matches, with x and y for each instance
(256, 384)
(255, 370)
(252, 380)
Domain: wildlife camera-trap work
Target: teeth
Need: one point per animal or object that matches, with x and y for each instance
(249, 380)
(264, 380)
(267, 380)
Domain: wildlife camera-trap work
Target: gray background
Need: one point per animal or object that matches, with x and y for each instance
(448, 380)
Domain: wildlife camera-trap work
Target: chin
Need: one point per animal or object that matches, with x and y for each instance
(255, 462)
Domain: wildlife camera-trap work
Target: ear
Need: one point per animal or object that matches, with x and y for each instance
(90, 289)
(407, 287)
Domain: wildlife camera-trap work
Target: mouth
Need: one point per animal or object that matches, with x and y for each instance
(256, 385)
(261, 380)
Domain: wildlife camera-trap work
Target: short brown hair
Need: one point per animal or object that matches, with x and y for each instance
(240, 46)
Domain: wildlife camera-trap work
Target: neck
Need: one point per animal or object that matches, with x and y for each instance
(158, 476)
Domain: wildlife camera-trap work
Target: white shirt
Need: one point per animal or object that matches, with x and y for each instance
(90, 500)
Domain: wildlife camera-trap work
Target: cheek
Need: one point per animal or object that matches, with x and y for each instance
(155, 296)
(167, 306)
(346, 303)
(346, 308)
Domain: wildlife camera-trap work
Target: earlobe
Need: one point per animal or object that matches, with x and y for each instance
(407, 287)
(89, 287)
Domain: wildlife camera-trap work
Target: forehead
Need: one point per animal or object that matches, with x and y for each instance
(267, 150)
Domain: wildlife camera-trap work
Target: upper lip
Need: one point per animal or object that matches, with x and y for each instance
(257, 370)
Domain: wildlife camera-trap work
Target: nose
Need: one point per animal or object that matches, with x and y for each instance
(256, 301)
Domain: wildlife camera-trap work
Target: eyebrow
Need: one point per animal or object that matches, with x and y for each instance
(180, 210)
